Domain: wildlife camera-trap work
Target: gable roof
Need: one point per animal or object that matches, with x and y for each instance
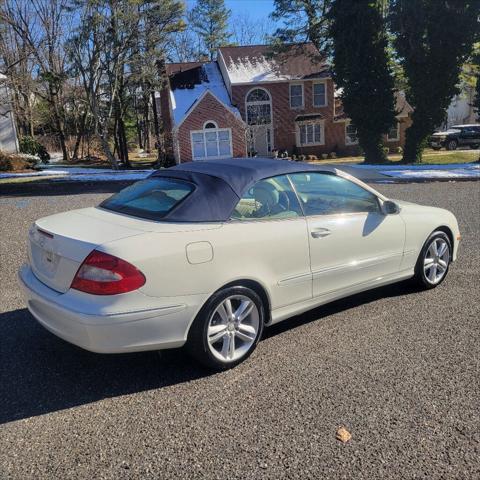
(255, 63)
(191, 82)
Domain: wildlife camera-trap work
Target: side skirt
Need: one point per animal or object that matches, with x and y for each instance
(283, 313)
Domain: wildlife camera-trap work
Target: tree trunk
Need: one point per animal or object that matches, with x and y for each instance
(158, 133)
(415, 142)
(79, 137)
(373, 147)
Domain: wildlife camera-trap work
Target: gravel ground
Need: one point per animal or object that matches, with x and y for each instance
(397, 368)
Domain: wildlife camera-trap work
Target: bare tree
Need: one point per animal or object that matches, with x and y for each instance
(42, 27)
(248, 31)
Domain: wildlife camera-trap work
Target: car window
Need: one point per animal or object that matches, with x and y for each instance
(152, 198)
(325, 194)
(272, 198)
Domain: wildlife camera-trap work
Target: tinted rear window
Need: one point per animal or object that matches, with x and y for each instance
(152, 198)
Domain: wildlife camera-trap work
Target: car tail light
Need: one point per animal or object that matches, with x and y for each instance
(104, 274)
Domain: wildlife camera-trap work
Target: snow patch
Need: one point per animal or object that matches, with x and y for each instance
(84, 174)
(257, 69)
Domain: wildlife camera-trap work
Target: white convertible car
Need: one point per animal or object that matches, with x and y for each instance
(205, 254)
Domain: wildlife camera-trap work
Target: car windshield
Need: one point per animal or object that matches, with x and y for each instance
(152, 198)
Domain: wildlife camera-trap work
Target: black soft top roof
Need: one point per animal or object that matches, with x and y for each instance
(219, 184)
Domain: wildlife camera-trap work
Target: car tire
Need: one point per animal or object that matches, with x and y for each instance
(474, 147)
(452, 145)
(436, 148)
(221, 337)
(431, 268)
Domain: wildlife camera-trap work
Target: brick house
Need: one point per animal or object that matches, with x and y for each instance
(250, 103)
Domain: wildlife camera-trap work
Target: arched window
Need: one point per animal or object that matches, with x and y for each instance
(210, 124)
(259, 107)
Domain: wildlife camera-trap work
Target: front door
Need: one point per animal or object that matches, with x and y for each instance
(261, 140)
(352, 243)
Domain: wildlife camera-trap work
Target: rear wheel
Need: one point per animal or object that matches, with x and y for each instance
(434, 260)
(452, 145)
(436, 148)
(474, 147)
(227, 329)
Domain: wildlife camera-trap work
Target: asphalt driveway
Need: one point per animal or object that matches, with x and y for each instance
(399, 369)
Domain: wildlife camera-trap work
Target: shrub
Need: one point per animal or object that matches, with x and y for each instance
(294, 157)
(5, 162)
(399, 150)
(31, 146)
(332, 155)
(324, 156)
(312, 157)
(302, 158)
(386, 150)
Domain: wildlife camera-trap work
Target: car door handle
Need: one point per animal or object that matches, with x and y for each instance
(320, 232)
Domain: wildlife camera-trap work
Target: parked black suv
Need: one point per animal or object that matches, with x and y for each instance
(457, 136)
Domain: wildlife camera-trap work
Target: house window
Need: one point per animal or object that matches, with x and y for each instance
(296, 96)
(351, 134)
(211, 142)
(310, 133)
(393, 134)
(319, 95)
(259, 107)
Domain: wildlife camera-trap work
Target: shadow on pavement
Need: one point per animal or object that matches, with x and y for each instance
(41, 373)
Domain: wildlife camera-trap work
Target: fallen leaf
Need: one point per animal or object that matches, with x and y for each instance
(343, 435)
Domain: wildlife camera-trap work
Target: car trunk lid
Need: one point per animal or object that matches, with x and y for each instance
(60, 243)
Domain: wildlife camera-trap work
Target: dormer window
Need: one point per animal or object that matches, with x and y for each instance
(296, 95)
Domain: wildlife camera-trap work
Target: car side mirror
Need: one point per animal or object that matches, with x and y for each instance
(390, 208)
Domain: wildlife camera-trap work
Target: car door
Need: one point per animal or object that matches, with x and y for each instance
(269, 239)
(352, 242)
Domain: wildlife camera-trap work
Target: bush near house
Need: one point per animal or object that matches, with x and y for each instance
(16, 163)
(33, 147)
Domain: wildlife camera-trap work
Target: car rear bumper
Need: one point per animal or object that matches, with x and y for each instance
(165, 326)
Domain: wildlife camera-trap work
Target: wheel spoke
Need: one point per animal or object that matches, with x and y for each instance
(428, 262)
(243, 310)
(248, 329)
(442, 263)
(228, 307)
(231, 350)
(434, 248)
(216, 332)
(244, 336)
(442, 249)
(226, 346)
(433, 273)
(223, 313)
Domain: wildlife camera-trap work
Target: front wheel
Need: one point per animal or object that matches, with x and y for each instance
(434, 260)
(227, 329)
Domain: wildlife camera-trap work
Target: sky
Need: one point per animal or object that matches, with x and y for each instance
(256, 8)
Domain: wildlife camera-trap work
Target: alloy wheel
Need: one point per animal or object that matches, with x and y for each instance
(436, 260)
(233, 328)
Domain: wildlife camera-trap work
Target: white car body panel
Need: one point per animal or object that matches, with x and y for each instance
(185, 263)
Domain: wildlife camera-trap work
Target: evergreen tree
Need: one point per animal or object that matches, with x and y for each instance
(210, 21)
(362, 70)
(433, 38)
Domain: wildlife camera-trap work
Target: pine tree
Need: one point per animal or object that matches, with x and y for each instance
(210, 21)
(362, 70)
(433, 38)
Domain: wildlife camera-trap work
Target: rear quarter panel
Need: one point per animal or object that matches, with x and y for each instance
(265, 252)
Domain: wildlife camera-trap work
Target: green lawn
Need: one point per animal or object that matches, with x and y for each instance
(430, 157)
